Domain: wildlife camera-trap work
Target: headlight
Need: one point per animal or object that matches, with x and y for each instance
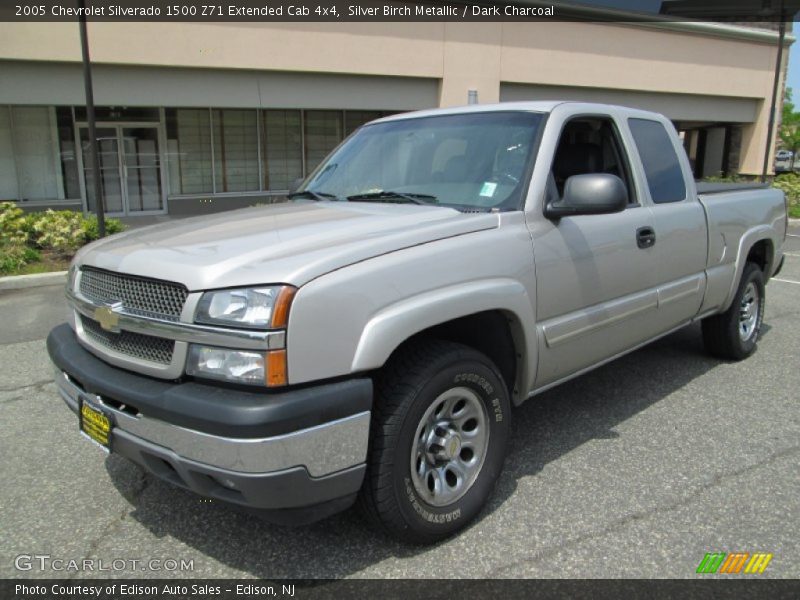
(237, 366)
(72, 276)
(253, 308)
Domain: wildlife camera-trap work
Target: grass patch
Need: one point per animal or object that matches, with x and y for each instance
(49, 263)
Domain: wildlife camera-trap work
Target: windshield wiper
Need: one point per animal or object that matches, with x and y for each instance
(390, 196)
(313, 194)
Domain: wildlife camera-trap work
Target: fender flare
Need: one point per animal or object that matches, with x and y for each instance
(394, 324)
(749, 239)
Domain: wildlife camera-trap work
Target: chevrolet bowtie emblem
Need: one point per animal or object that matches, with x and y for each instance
(453, 447)
(107, 317)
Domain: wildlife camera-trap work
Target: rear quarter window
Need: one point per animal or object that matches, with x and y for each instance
(659, 159)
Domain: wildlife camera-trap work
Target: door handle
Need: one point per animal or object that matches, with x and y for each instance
(645, 237)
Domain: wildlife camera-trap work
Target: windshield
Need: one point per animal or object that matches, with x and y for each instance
(466, 161)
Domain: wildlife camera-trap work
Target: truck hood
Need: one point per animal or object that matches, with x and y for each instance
(291, 243)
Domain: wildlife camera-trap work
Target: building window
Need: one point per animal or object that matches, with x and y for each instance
(189, 150)
(28, 154)
(353, 119)
(283, 148)
(66, 147)
(323, 132)
(235, 150)
(119, 113)
(8, 169)
(223, 150)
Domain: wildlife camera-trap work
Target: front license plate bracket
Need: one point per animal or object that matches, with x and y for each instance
(95, 423)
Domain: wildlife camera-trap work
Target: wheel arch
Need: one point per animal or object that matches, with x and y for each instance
(486, 315)
(762, 253)
(758, 246)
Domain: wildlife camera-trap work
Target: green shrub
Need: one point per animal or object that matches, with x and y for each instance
(724, 178)
(64, 231)
(790, 184)
(14, 256)
(60, 231)
(14, 225)
(90, 229)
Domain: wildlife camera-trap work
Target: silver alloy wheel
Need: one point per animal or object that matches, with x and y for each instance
(749, 312)
(450, 446)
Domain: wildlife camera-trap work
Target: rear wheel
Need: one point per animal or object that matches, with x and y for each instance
(734, 333)
(438, 441)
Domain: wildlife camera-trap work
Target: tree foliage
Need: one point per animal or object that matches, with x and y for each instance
(790, 124)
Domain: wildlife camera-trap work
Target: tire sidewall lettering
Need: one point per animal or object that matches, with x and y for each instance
(494, 406)
(430, 517)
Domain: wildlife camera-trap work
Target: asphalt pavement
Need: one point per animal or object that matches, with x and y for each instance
(634, 470)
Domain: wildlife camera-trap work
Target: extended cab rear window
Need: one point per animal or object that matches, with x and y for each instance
(659, 159)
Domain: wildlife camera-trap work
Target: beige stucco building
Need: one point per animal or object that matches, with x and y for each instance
(194, 117)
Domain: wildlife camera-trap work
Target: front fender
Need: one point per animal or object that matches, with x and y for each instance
(352, 319)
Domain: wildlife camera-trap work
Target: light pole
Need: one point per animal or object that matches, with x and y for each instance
(774, 105)
(90, 117)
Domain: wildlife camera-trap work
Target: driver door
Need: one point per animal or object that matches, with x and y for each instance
(596, 284)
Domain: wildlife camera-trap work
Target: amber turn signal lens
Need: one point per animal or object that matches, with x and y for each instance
(280, 313)
(276, 368)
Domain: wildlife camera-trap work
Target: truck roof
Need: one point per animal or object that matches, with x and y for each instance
(543, 106)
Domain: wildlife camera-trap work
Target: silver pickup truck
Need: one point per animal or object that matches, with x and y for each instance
(367, 340)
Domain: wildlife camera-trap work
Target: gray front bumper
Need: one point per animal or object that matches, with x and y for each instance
(309, 467)
(322, 450)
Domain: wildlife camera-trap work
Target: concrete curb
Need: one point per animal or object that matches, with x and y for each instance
(20, 282)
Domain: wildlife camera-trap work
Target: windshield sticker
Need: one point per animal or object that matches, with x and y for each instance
(488, 189)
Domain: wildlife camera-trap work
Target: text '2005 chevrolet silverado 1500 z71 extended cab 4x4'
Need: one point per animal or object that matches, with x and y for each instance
(367, 339)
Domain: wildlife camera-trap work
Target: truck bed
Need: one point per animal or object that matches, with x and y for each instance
(736, 217)
(707, 188)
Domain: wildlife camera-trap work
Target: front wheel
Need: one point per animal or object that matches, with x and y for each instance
(734, 333)
(438, 441)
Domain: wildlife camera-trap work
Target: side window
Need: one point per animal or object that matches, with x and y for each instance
(589, 145)
(660, 161)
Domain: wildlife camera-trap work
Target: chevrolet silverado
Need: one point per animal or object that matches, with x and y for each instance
(366, 340)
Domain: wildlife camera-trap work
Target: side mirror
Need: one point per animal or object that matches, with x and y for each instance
(590, 194)
(295, 184)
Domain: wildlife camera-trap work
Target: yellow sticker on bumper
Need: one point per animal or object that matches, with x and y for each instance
(96, 425)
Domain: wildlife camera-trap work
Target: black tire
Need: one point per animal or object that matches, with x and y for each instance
(406, 391)
(721, 333)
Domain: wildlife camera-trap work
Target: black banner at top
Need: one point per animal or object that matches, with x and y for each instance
(763, 11)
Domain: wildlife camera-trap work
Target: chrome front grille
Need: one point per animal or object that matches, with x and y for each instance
(139, 295)
(135, 345)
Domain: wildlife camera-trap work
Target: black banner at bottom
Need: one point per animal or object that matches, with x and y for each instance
(411, 589)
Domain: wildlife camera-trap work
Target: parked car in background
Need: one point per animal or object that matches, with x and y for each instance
(368, 339)
(784, 161)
